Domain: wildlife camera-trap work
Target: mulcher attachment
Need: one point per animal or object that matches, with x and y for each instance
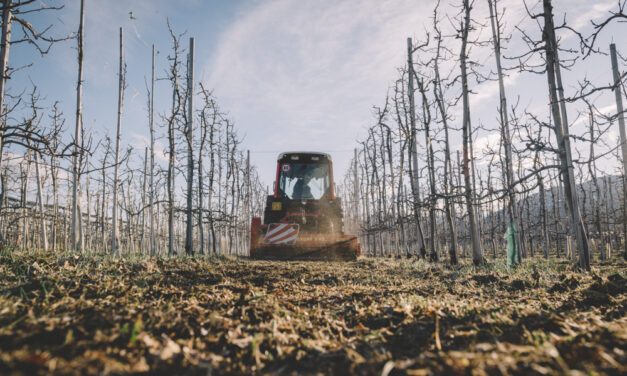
(284, 242)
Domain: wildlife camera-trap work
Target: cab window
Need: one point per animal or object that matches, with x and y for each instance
(304, 181)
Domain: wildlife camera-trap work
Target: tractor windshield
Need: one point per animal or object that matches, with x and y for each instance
(304, 181)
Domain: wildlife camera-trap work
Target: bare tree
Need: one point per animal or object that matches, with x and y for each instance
(562, 135)
(40, 40)
(171, 123)
(189, 132)
(442, 107)
(505, 126)
(477, 250)
(208, 117)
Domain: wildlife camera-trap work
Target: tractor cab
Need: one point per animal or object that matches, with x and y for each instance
(304, 176)
(304, 193)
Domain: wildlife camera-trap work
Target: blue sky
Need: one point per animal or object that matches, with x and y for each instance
(292, 74)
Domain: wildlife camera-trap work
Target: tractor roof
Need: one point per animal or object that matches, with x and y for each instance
(303, 154)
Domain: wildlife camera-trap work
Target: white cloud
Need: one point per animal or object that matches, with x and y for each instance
(489, 91)
(304, 74)
(141, 141)
(600, 8)
(486, 144)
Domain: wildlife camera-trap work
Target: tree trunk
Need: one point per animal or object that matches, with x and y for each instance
(5, 46)
(201, 193)
(40, 202)
(189, 230)
(448, 168)
(505, 130)
(562, 136)
(142, 241)
(477, 251)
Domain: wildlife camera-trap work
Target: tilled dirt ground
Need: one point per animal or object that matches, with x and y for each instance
(86, 315)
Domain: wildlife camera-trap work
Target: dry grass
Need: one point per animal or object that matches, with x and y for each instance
(86, 315)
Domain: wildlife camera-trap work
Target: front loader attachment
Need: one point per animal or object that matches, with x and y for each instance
(283, 241)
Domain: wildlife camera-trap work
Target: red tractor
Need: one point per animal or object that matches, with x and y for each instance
(303, 217)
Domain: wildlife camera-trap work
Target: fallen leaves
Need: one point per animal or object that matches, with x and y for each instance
(88, 315)
(169, 349)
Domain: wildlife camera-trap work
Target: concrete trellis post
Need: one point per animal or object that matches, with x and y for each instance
(623, 138)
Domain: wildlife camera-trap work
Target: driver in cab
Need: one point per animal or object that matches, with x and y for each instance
(302, 190)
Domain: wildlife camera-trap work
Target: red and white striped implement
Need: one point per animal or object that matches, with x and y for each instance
(281, 233)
